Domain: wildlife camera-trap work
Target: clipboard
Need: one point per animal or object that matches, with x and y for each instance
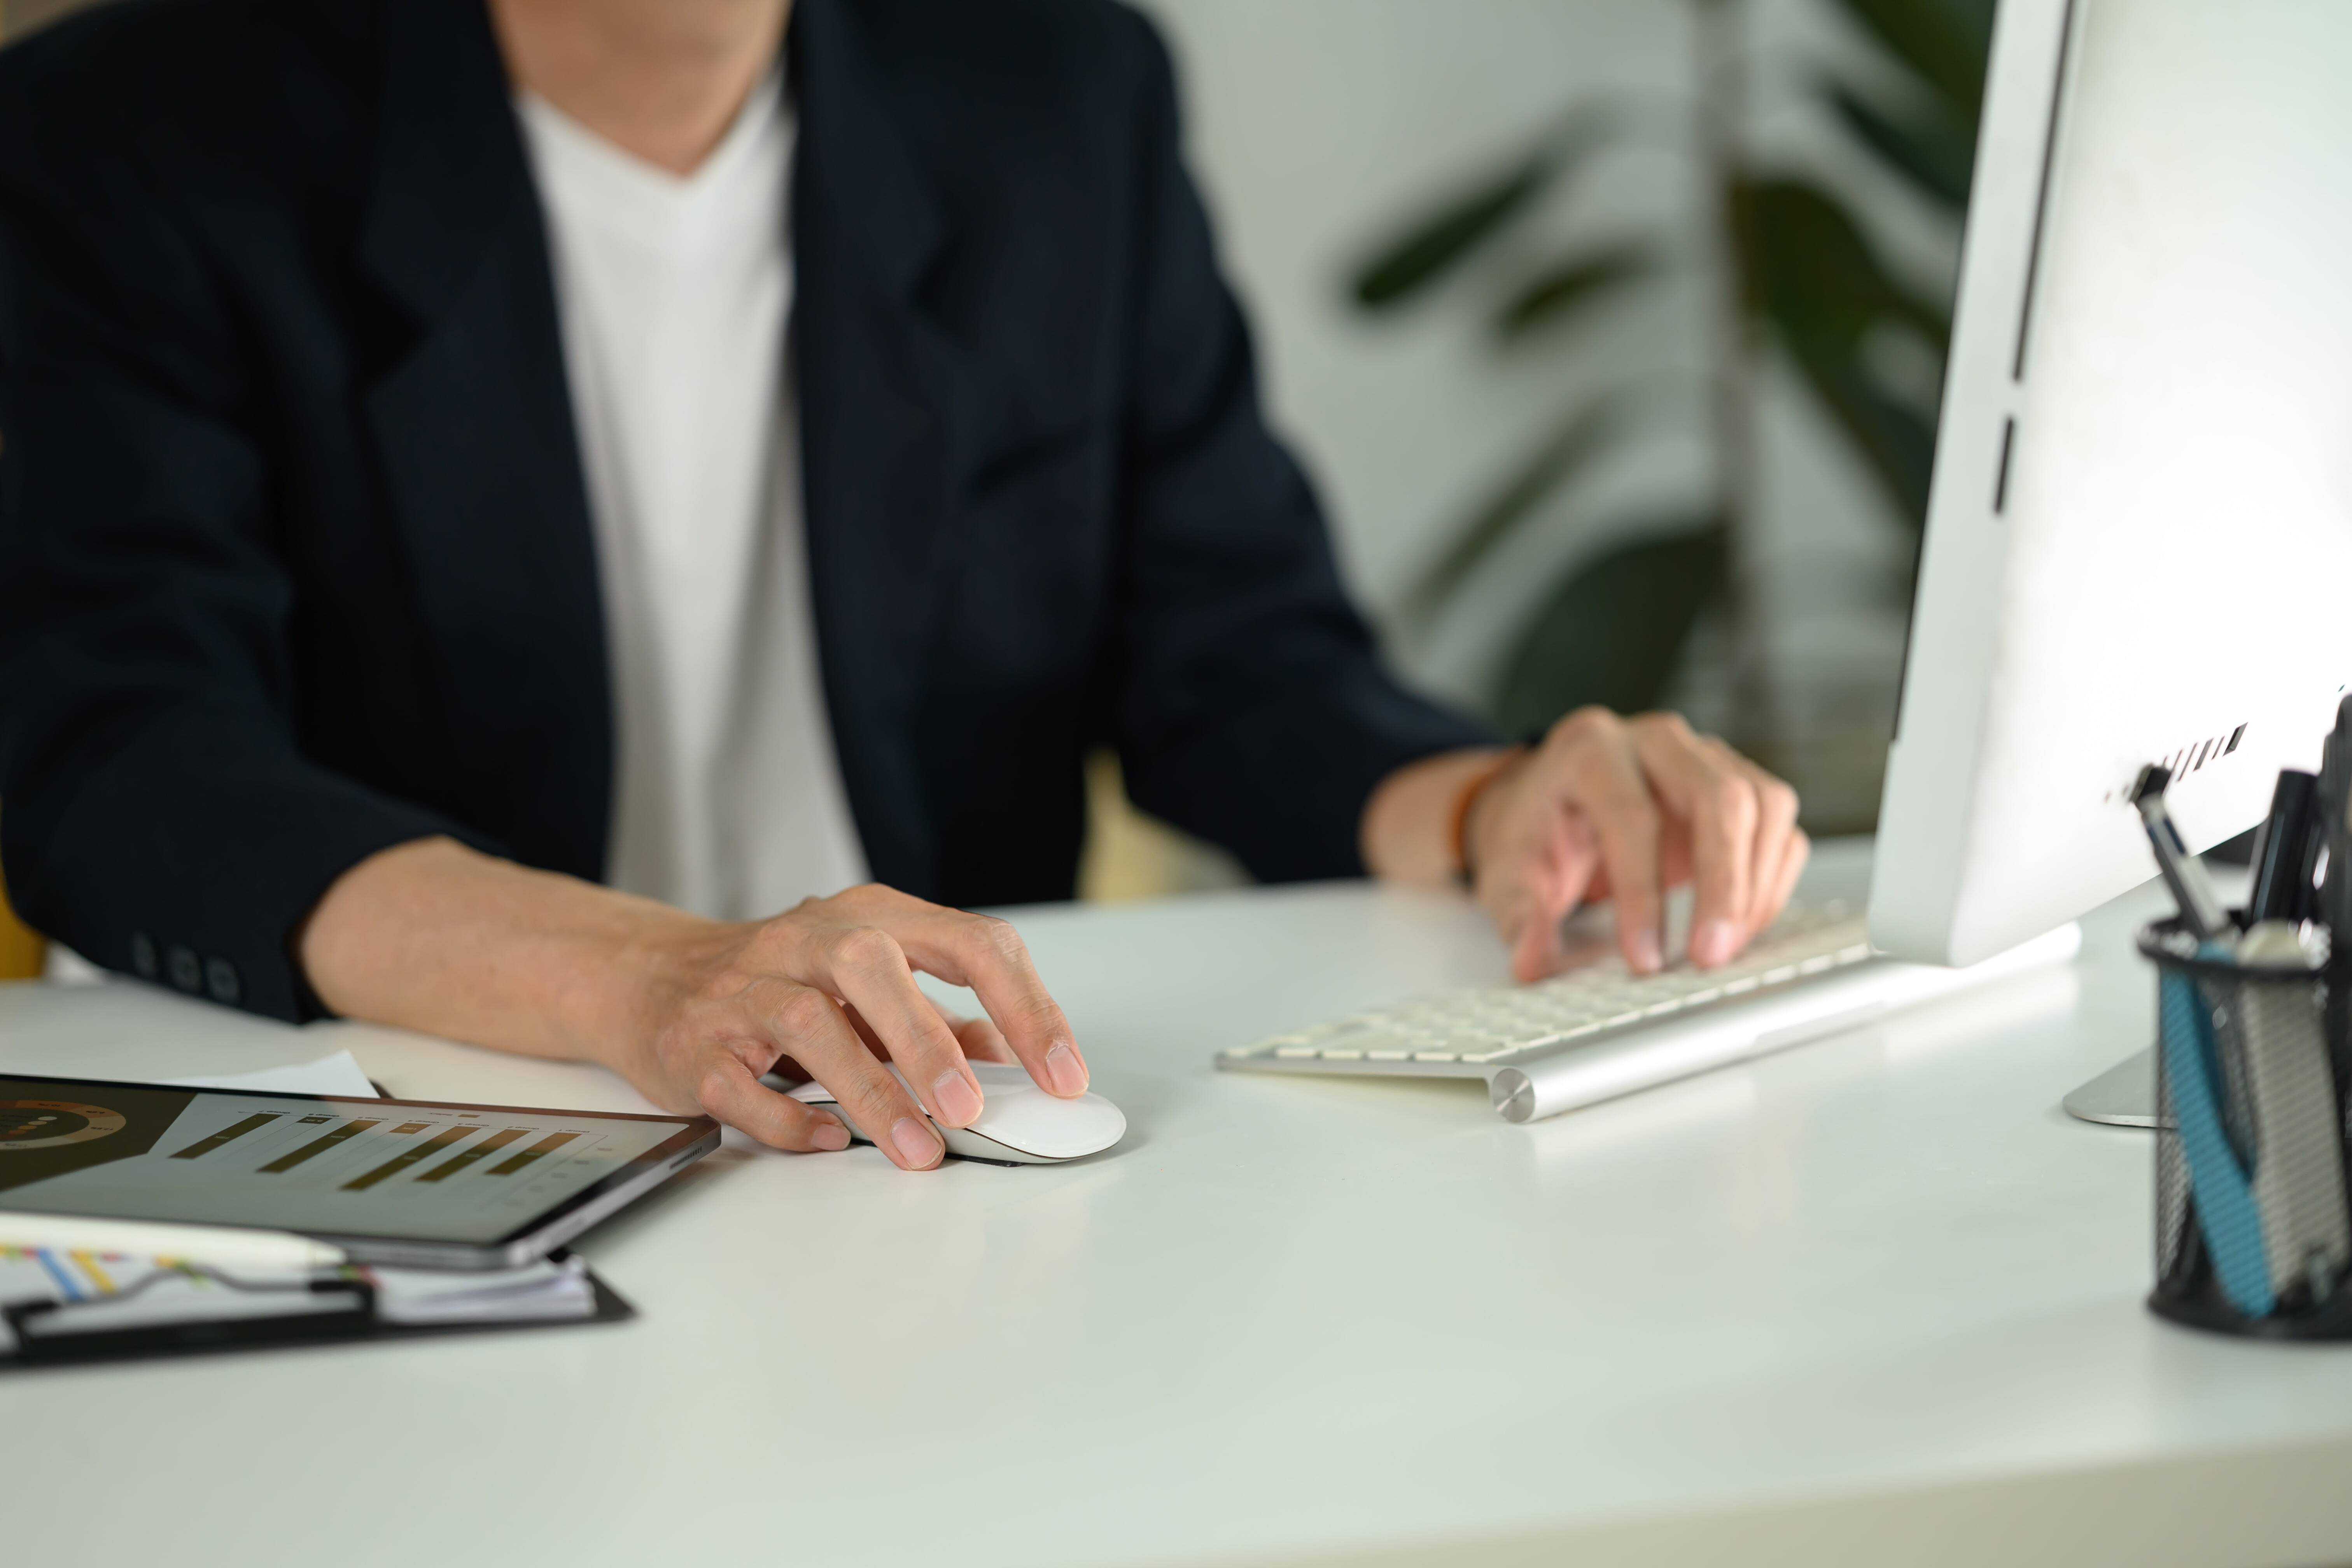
(349, 1317)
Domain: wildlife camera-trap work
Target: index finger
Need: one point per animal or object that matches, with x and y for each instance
(1607, 783)
(1718, 804)
(865, 967)
(987, 955)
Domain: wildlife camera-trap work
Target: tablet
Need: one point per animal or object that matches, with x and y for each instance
(405, 1181)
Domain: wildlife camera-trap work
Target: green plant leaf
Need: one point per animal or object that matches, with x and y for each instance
(1560, 293)
(1563, 453)
(1945, 42)
(1814, 262)
(1614, 630)
(1898, 440)
(1435, 243)
(1929, 147)
(1822, 288)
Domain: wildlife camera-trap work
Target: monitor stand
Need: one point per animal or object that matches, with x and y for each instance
(2123, 1096)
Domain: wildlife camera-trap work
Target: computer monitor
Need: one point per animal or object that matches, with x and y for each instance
(2140, 533)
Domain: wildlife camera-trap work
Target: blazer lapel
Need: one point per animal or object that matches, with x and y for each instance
(890, 408)
(473, 422)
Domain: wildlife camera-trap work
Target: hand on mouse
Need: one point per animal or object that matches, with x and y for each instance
(436, 936)
(1608, 807)
(827, 990)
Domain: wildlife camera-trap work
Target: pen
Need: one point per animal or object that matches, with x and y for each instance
(2201, 906)
(2191, 1036)
(224, 1246)
(2298, 1172)
(2334, 791)
(2227, 1211)
(2335, 834)
(2284, 851)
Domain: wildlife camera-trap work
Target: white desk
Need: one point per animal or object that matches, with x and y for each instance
(1873, 1300)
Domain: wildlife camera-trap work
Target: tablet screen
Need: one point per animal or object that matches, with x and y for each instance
(324, 1165)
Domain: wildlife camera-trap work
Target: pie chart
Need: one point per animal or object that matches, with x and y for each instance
(46, 1123)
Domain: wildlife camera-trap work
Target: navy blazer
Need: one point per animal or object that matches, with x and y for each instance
(295, 556)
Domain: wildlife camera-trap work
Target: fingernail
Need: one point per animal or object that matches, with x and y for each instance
(1068, 1073)
(830, 1135)
(1647, 957)
(918, 1144)
(1714, 942)
(958, 1102)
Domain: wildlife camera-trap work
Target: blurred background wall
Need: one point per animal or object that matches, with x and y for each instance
(1323, 130)
(1319, 129)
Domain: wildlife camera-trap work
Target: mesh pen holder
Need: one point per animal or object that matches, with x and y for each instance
(2254, 1230)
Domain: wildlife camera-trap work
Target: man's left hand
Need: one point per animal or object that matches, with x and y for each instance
(1605, 808)
(1622, 809)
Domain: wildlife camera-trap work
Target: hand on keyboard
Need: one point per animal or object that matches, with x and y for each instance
(1622, 809)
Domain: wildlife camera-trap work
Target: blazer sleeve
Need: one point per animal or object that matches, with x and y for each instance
(1253, 709)
(156, 813)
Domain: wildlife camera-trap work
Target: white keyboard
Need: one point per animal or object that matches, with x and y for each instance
(1599, 1031)
(1468, 1034)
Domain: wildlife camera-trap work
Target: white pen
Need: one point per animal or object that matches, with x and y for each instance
(2298, 1174)
(228, 1247)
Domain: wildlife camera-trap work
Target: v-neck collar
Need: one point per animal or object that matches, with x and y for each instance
(637, 191)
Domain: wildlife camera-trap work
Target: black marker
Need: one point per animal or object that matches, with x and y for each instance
(2285, 851)
(2334, 832)
(2334, 796)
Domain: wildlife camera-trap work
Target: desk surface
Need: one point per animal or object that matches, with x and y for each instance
(1872, 1299)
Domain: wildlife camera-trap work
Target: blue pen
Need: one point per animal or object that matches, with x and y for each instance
(2226, 1210)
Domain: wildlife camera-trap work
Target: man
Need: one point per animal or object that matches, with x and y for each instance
(418, 511)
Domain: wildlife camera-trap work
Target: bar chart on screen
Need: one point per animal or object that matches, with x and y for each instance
(331, 1166)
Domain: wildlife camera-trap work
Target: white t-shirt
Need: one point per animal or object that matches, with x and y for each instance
(673, 294)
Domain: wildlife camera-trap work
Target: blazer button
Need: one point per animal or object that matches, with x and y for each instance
(186, 972)
(220, 981)
(142, 954)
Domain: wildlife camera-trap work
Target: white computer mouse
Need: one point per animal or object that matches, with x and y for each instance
(1019, 1124)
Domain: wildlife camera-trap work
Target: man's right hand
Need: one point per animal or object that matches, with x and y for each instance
(827, 990)
(436, 937)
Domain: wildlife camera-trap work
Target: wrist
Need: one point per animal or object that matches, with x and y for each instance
(624, 973)
(1471, 813)
(1410, 825)
(440, 938)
